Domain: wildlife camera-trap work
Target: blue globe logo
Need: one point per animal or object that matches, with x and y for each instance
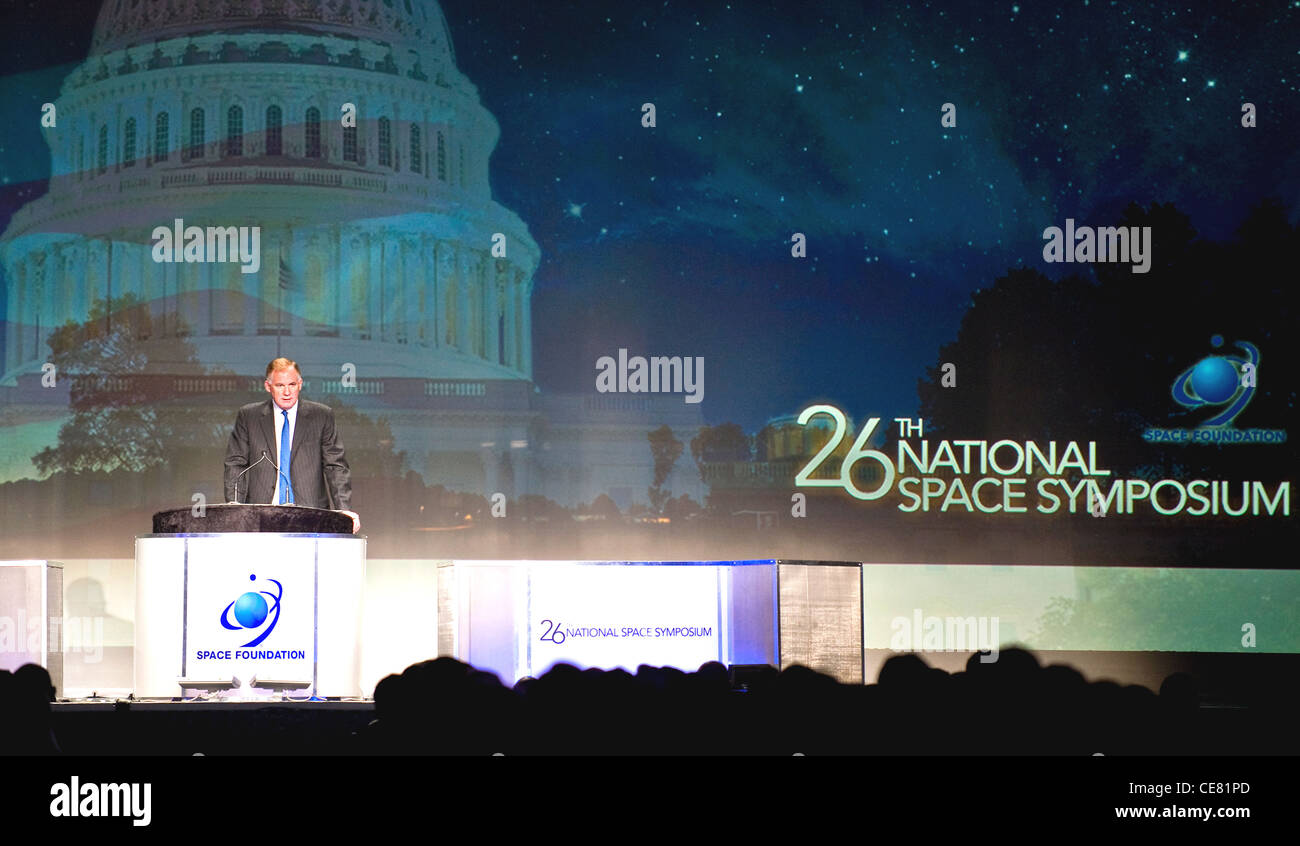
(1214, 379)
(250, 610)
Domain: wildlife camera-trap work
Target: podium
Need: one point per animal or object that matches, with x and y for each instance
(269, 596)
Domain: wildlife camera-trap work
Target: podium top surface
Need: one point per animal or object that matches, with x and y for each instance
(223, 518)
(335, 535)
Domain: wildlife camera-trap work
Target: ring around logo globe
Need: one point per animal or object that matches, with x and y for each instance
(250, 610)
(1214, 379)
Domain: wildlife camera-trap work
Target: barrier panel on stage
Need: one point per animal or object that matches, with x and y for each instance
(1135, 625)
(968, 607)
(31, 617)
(518, 618)
(276, 611)
(820, 607)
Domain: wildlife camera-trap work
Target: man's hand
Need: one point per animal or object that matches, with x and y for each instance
(356, 520)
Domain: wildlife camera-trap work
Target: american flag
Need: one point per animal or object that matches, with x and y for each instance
(286, 275)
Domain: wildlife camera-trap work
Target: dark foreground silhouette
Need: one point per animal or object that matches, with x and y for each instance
(25, 697)
(1011, 706)
(445, 707)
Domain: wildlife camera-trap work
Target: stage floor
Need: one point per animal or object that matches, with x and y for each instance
(174, 727)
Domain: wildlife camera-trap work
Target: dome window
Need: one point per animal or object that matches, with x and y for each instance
(198, 134)
(160, 137)
(385, 142)
(128, 144)
(349, 143)
(234, 131)
(274, 132)
(312, 133)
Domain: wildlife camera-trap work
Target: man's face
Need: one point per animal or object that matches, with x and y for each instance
(283, 386)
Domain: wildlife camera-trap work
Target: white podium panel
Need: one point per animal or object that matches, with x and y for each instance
(249, 606)
(31, 617)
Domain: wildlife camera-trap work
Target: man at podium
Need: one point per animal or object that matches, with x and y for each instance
(296, 442)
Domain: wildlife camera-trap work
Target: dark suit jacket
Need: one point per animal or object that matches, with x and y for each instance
(318, 470)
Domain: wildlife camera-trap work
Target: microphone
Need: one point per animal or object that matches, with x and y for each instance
(281, 476)
(246, 469)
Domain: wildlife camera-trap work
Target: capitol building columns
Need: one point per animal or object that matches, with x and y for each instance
(343, 295)
(411, 302)
(507, 283)
(429, 293)
(20, 301)
(441, 286)
(462, 286)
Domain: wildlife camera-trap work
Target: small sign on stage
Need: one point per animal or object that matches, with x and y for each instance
(612, 616)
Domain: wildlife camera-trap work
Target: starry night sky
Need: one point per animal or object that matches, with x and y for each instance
(820, 118)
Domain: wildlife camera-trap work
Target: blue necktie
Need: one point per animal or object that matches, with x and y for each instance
(286, 492)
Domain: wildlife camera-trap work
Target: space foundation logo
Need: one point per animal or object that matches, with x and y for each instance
(253, 611)
(1223, 383)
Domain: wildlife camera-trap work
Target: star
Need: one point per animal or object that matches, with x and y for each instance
(575, 210)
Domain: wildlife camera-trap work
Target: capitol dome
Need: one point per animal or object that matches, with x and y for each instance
(380, 244)
(410, 24)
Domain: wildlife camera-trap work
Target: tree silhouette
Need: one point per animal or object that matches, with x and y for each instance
(681, 508)
(368, 441)
(1017, 355)
(724, 442)
(603, 507)
(124, 411)
(665, 450)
